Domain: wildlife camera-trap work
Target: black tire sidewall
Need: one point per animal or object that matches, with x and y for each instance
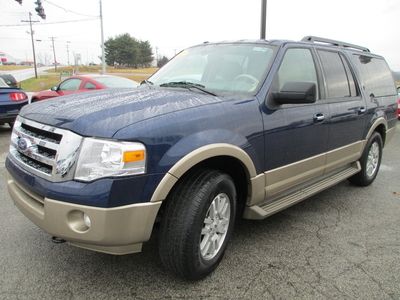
(376, 137)
(221, 184)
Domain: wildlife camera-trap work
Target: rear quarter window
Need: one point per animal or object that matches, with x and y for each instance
(375, 75)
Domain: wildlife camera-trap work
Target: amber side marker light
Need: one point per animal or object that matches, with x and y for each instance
(132, 156)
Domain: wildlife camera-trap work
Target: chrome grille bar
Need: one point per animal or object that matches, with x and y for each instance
(46, 151)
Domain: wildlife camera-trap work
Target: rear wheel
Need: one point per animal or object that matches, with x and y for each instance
(370, 161)
(197, 223)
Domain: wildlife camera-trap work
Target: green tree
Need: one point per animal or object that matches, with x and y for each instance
(162, 61)
(125, 50)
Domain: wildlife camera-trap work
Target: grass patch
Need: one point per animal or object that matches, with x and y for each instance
(43, 82)
(135, 71)
(13, 68)
(109, 70)
(49, 80)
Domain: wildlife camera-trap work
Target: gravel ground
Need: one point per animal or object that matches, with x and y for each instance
(343, 243)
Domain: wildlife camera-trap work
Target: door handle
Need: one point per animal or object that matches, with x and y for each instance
(319, 117)
(362, 110)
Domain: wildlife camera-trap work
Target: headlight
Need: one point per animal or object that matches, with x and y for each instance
(101, 158)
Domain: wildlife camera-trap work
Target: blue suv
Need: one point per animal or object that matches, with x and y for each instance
(224, 130)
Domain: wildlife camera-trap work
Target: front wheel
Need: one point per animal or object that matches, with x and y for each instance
(370, 161)
(197, 223)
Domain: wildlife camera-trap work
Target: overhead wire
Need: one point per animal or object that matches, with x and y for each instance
(68, 10)
(49, 23)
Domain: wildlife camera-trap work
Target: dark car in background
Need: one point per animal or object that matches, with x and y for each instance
(85, 83)
(9, 80)
(11, 101)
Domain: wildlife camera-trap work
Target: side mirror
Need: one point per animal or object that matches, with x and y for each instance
(296, 93)
(54, 88)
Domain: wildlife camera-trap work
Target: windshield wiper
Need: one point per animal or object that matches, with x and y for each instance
(148, 82)
(188, 85)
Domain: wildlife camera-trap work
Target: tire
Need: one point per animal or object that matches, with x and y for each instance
(189, 221)
(370, 161)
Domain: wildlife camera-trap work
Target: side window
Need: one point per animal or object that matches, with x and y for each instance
(297, 66)
(350, 77)
(70, 84)
(89, 86)
(375, 75)
(337, 82)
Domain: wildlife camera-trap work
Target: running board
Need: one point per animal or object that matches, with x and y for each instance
(258, 212)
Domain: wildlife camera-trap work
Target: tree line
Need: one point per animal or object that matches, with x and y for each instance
(126, 51)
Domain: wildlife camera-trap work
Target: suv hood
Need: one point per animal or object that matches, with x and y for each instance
(104, 112)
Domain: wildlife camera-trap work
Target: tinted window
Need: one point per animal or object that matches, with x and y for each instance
(354, 91)
(89, 86)
(70, 84)
(376, 75)
(297, 66)
(335, 74)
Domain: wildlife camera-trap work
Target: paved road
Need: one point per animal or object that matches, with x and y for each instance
(341, 244)
(24, 74)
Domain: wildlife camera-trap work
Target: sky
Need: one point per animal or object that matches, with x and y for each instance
(172, 25)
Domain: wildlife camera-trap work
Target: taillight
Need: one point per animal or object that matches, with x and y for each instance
(18, 96)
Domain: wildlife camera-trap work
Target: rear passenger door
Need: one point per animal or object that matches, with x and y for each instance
(347, 109)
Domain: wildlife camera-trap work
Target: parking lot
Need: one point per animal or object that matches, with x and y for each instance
(342, 243)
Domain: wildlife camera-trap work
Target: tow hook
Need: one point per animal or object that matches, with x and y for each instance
(57, 240)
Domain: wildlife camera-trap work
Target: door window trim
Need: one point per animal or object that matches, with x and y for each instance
(269, 102)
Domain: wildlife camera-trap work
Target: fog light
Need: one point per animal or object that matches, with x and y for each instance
(87, 220)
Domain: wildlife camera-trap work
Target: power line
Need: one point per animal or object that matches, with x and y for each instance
(49, 23)
(68, 10)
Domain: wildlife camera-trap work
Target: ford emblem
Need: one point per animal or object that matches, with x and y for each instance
(22, 144)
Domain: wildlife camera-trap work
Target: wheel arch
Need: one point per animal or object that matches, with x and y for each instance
(380, 125)
(225, 157)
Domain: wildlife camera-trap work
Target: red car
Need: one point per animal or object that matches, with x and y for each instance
(84, 83)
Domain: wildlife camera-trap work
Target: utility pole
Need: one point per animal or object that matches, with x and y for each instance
(263, 19)
(54, 53)
(68, 42)
(33, 43)
(103, 58)
(157, 56)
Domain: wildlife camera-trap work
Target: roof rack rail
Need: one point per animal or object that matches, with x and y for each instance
(315, 39)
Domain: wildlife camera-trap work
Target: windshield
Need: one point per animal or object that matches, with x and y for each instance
(220, 68)
(3, 83)
(116, 82)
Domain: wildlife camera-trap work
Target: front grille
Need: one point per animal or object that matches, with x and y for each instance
(42, 134)
(46, 151)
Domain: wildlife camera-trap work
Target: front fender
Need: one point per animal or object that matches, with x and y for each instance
(207, 140)
(196, 156)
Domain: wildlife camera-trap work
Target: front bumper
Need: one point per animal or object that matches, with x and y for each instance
(7, 118)
(118, 230)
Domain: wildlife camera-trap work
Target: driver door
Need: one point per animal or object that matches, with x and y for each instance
(296, 135)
